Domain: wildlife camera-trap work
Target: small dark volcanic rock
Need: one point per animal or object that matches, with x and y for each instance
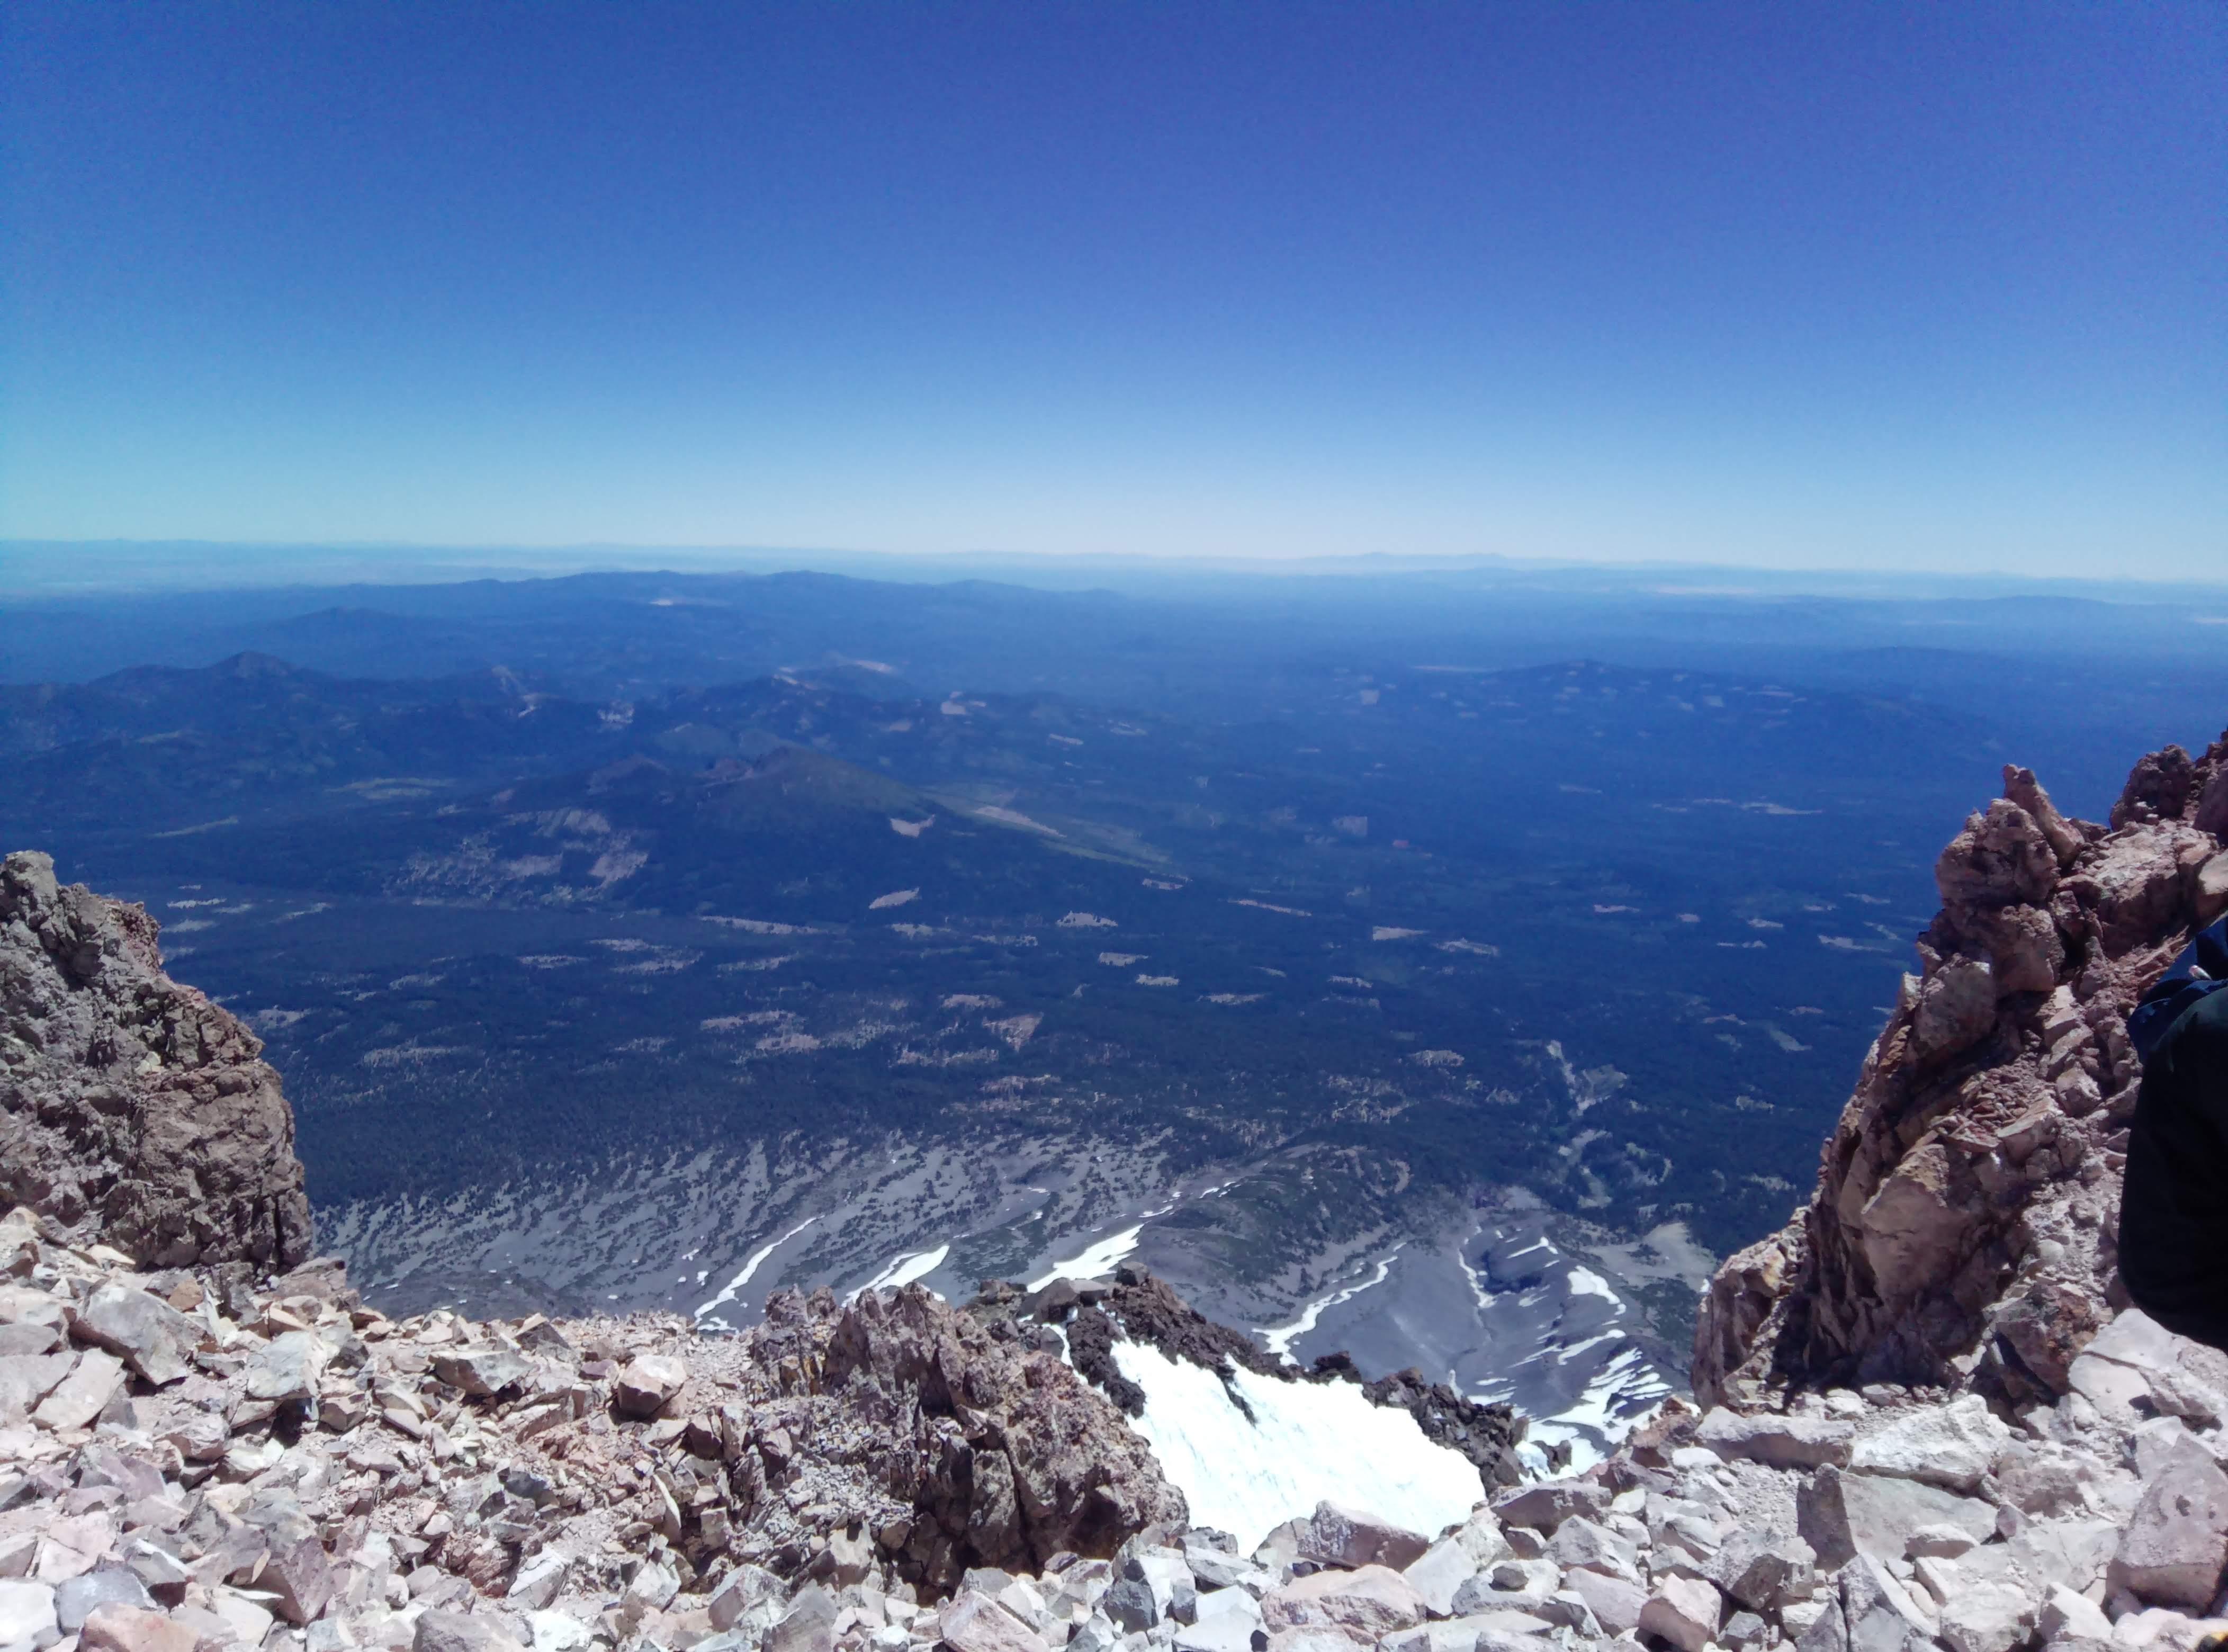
(1090, 1345)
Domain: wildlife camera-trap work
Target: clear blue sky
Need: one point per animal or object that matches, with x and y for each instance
(1861, 285)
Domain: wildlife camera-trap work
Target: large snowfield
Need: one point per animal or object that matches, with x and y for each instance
(1307, 1442)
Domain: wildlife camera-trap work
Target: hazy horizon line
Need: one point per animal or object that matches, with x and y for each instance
(512, 558)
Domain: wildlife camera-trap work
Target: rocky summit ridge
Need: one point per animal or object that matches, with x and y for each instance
(1927, 1418)
(136, 1112)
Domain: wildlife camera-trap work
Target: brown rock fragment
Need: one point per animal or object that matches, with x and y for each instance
(135, 1628)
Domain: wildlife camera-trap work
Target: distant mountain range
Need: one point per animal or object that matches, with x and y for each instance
(692, 930)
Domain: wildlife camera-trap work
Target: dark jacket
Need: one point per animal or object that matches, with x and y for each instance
(2202, 969)
(2173, 1203)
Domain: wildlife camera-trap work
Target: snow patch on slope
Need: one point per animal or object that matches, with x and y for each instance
(903, 1270)
(727, 1291)
(1305, 1442)
(1095, 1262)
(1279, 1339)
(1623, 1392)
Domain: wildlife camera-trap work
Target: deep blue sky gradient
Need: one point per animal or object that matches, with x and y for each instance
(1871, 285)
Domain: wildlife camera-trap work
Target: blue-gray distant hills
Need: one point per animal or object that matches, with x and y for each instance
(625, 937)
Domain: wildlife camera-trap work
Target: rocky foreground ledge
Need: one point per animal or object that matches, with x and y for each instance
(193, 1466)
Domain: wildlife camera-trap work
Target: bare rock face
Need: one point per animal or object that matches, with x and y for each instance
(1962, 1232)
(994, 1452)
(132, 1110)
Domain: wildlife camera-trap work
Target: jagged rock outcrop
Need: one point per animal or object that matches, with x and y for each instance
(207, 1458)
(1962, 1233)
(133, 1111)
(966, 1444)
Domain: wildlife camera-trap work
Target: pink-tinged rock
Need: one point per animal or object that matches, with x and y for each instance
(1338, 1535)
(1615, 1603)
(484, 1370)
(1548, 1504)
(1581, 1545)
(1313, 1640)
(2134, 887)
(201, 1168)
(2174, 1547)
(27, 1614)
(1841, 1514)
(446, 1631)
(647, 1384)
(1762, 1570)
(1910, 1229)
(80, 1396)
(211, 1632)
(134, 1629)
(2065, 1616)
(2024, 946)
(2158, 787)
(1364, 1604)
(2208, 882)
(2002, 858)
(1478, 1632)
(286, 1371)
(72, 1546)
(1956, 1010)
(1438, 1572)
(298, 1577)
(975, 1623)
(1684, 1612)
(2213, 803)
(2063, 837)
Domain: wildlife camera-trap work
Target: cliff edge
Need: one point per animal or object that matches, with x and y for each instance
(133, 1113)
(1962, 1234)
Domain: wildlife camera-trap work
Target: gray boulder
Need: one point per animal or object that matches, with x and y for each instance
(1548, 1504)
(76, 1599)
(1437, 1572)
(1685, 1611)
(1841, 1515)
(1338, 1535)
(809, 1625)
(973, 1623)
(483, 1371)
(540, 1580)
(1951, 1445)
(442, 1631)
(146, 1333)
(1762, 1570)
(1615, 1602)
(1778, 1442)
(1581, 1543)
(2174, 1547)
(286, 1369)
(1879, 1612)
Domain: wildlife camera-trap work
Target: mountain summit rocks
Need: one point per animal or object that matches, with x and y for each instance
(1962, 1234)
(133, 1111)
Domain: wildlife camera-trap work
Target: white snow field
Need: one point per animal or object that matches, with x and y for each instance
(903, 1270)
(757, 1258)
(1307, 1442)
(1097, 1260)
